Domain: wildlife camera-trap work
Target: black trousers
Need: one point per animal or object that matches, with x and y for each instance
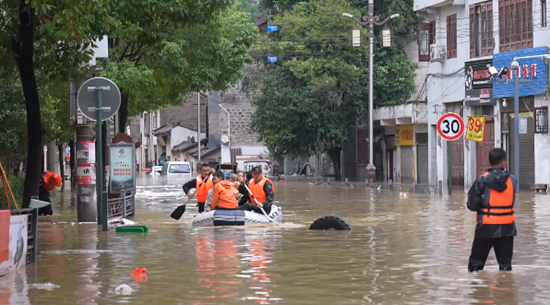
(201, 206)
(254, 208)
(504, 248)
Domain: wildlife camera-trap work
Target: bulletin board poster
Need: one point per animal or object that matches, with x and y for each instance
(122, 169)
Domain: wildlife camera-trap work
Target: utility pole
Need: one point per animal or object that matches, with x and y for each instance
(199, 128)
(369, 21)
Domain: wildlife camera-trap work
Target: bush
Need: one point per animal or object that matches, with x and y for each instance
(16, 184)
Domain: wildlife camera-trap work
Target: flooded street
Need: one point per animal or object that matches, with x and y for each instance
(401, 251)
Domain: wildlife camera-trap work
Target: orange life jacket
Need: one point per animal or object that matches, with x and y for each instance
(257, 189)
(501, 206)
(202, 191)
(224, 197)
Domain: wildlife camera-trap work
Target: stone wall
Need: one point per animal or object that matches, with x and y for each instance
(237, 103)
(185, 113)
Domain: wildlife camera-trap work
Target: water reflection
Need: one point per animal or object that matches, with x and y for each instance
(401, 251)
(217, 265)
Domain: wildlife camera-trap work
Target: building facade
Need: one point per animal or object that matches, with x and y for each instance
(460, 40)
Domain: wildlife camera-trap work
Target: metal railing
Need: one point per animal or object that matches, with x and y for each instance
(436, 189)
(32, 230)
(116, 206)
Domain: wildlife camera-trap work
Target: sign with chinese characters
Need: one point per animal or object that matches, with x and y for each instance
(477, 84)
(404, 135)
(85, 174)
(476, 128)
(122, 169)
(531, 72)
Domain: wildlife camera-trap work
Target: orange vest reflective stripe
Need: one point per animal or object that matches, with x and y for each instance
(257, 189)
(202, 192)
(501, 206)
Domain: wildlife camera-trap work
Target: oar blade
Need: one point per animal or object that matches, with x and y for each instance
(178, 212)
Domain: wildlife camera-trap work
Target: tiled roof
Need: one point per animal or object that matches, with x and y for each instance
(206, 151)
(184, 146)
(163, 129)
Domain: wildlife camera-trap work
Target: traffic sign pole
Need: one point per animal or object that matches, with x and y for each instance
(105, 95)
(99, 158)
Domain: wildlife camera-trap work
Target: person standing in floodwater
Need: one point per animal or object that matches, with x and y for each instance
(492, 196)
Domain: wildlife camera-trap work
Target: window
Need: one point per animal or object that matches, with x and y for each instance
(517, 18)
(451, 36)
(543, 14)
(541, 120)
(481, 29)
(426, 37)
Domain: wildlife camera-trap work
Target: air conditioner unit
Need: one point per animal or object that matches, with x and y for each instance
(437, 53)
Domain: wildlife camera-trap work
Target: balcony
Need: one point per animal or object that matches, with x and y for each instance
(420, 5)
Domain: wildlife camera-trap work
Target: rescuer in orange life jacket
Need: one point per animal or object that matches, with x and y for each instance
(492, 196)
(203, 183)
(262, 188)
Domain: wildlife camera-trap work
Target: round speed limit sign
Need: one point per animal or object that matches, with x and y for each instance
(450, 126)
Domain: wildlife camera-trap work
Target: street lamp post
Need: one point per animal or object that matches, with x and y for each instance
(370, 20)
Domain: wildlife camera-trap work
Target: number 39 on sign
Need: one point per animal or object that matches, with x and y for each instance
(450, 126)
(476, 128)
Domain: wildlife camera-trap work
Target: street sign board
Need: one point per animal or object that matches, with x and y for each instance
(450, 126)
(86, 98)
(272, 59)
(272, 28)
(123, 167)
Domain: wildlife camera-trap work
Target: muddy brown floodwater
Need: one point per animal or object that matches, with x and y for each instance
(401, 251)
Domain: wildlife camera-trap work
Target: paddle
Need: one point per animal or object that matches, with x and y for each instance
(263, 211)
(178, 212)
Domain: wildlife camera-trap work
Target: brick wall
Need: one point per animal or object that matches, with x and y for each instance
(237, 103)
(185, 113)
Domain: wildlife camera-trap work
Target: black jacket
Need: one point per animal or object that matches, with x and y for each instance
(44, 195)
(495, 180)
(191, 184)
(269, 194)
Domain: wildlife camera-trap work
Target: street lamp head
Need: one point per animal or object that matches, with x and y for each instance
(514, 65)
(347, 15)
(394, 16)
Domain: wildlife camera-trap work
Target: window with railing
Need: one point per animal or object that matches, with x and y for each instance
(481, 29)
(451, 36)
(541, 120)
(516, 24)
(426, 37)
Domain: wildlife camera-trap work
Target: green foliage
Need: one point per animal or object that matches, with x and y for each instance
(160, 60)
(16, 184)
(252, 9)
(13, 121)
(308, 101)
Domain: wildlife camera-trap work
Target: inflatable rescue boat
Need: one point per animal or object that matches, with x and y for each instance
(236, 217)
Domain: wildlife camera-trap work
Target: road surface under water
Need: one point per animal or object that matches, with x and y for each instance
(401, 251)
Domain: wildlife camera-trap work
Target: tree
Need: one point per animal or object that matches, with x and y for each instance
(51, 30)
(309, 100)
(159, 60)
(12, 119)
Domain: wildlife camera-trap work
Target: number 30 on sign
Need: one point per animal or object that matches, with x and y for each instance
(450, 126)
(476, 128)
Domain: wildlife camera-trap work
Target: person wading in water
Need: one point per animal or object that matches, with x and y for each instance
(492, 196)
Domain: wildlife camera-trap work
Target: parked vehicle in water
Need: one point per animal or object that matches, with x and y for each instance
(156, 170)
(176, 168)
